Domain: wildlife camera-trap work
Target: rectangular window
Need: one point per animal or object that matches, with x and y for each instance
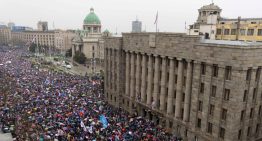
(226, 31)
(257, 128)
(233, 31)
(242, 115)
(218, 31)
(224, 114)
(199, 123)
(228, 72)
(259, 32)
(243, 32)
(249, 73)
(211, 109)
(245, 96)
(222, 133)
(202, 88)
(250, 32)
(251, 113)
(254, 94)
(209, 128)
(239, 134)
(203, 68)
(258, 73)
(200, 104)
(213, 91)
(226, 94)
(215, 70)
(260, 111)
(248, 131)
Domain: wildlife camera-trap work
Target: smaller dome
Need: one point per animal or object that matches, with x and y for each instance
(92, 18)
(211, 6)
(106, 31)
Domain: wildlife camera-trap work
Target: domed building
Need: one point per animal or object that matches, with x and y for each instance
(90, 41)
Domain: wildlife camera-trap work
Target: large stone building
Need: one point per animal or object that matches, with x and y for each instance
(90, 40)
(204, 90)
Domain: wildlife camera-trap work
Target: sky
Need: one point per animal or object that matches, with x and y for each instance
(117, 15)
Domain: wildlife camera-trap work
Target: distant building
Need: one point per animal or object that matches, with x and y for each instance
(206, 22)
(10, 25)
(90, 40)
(211, 25)
(63, 39)
(21, 28)
(244, 29)
(136, 26)
(5, 35)
(42, 26)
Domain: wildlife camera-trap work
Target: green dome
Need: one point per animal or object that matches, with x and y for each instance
(92, 18)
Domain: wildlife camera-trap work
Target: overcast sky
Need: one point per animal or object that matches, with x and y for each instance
(118, 14)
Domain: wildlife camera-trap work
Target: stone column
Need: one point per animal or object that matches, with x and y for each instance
(149, 80)
(170, 96)
(156, 82)
(113, 69)
(106, 68)
(179, 88)
(138, 74)
(110, 68)
(127, 73)
(163, 84)
(188, 91)
(132, 82)
(143, 83)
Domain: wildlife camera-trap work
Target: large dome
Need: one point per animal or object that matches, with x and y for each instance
(92, 18)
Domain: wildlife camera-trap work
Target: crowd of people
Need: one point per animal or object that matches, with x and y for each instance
(45, 105)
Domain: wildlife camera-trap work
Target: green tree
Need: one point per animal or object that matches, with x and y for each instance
(69, 53)
(33, 47)
(79, 57)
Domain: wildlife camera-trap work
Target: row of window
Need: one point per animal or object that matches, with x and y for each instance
(215, 70)
(222, 130)
(228, 72)
(243, 32)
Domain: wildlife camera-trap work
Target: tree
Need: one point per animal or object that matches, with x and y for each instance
(79, 57)
(32, 48)
(69, 53)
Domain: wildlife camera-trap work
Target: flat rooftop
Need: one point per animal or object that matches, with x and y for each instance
(233, 43)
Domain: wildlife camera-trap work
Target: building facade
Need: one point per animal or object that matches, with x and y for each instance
(90, 40)
(5, 35)
(243, 29)
(200, 89)
(206, 22)
(63, 39)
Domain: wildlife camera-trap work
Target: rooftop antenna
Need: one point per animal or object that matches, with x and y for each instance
(53, 25)
(136, 18)
(116, 30)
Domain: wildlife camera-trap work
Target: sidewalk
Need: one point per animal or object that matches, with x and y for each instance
(5, 136)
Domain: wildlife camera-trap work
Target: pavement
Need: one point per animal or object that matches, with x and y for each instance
(5, 136)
